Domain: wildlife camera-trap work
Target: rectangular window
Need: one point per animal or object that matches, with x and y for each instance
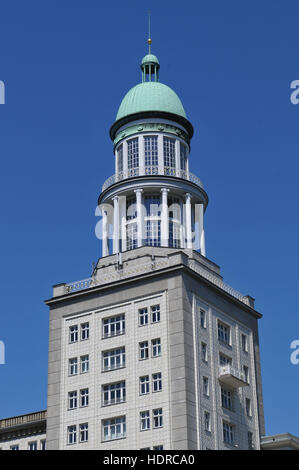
(157, 382)
(114, 393)
(155, 312)
(207, 421)
(159, 447)
(226, 399)
(225, 360)
(157, 418)
(133, 156)
(169, 154)
(114, 326)
(84, 331)
(152, 205)
(73, 334)
(131, 235)
(205, 386)
(183, 156)
(151, 150)
(143, 316)
(153, 233)
(144, 385)
(120, 159)
(246, 374)
(202, 318)
(15, 447)
(156, 347)
(223, 333)
(114, 428)
(228, 433)
(114, 359)
(72, 400)
(84, 397)
(204, 352)
(145, 420)
(143, 350)
(83, 432)
(72, 434)
(244, 343)
(32, 445)
(250, 440)
(84, 364)
(43, 444)
(248, 407)
(73, 366)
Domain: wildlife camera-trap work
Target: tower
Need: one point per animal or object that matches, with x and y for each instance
(154, 350)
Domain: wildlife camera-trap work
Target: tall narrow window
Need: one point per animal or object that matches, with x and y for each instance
(145, 420)
(228, 433)
(248, 407)
(153, 233)
(120, 161)
(157, 418)
(144, 385)
(223, 333)
(169, 155)
(226, 399)
(174, 211)
(72, 399)
(84, 397)
(246, 374)
(205, 386)
(73, 366)
(183, 156)
(72, 434)
(156, 347)
(133, 157)
(151, 154)
(83, 432)
(207, 421)
(143, 350)
(84, 331)
(73, 334)
(157, 382)
(143, 316)
(155, 312)
(84, 364)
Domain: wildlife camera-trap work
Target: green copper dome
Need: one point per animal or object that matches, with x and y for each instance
(150, 96)
(150, 58)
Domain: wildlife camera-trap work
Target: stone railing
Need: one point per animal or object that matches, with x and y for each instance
(228, 369)
(136, 269)
(23, 419)
(152, 170)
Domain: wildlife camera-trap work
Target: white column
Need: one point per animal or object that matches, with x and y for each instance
(115, 225)
(201, 231)
(139, 217)
(188, 221)
(123, 220)
(105, 245)
(164, 218)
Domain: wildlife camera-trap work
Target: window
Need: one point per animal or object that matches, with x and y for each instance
(72, 434)
(223, 333)
(15, 447)
(244, 343)
(151, 150)
(250, 440)
(133, 156)
(228, 433)
(72, 400)
(114, 393)
(157, 382)
(114, 326)
(131, 235)
(159, 447)
(43, 444)
(157, 418)
(226, 399)
(204, 352)
(156, 347)
(169, 154)
(32, 445)
(120, 161)
(114, 359)
(153, 233)
(73, 334)
(84, 397)
(183, 156)
(144, 385)
(202, 318)
(145, 420)
(84, 364)
(225, 360)
(73, 366)
(207, 421)
(205, 386)
(145, 448)
(131, 208)
(83, 432)
(152, 205)
(155, 312)
(246, 374)
(114, 428)
(143, 350)
(84, 331)
(248, 407)
(143, 316)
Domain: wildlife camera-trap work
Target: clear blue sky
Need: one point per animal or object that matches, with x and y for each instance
(66, 66)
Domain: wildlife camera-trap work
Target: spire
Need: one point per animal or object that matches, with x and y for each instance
(150, 64)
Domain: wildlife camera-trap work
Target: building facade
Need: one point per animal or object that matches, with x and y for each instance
(154, 350)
